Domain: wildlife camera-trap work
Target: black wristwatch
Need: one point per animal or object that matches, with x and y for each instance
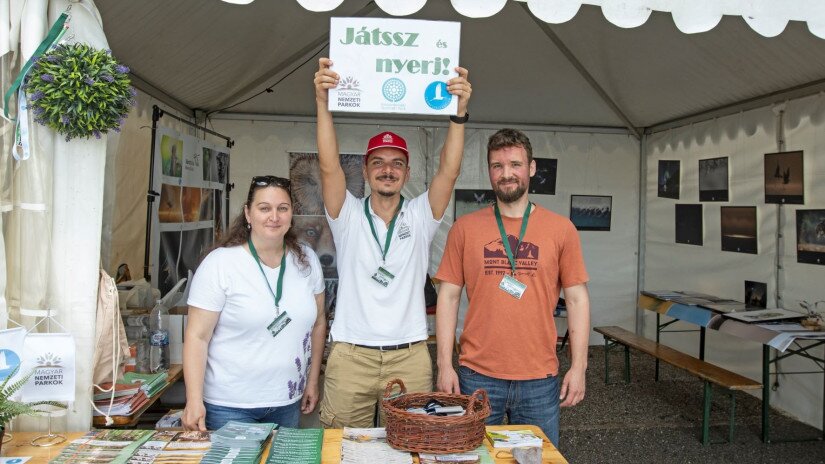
(460, 120)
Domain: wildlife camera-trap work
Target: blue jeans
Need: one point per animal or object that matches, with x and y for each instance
(532, 402)
(284, 416)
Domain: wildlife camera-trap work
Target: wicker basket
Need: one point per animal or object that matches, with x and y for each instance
(423, 433)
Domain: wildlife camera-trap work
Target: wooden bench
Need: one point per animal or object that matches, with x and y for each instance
(706, 371)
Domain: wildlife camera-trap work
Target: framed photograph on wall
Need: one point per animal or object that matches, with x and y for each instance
(668, 180)
(784, 178)
(689, 226)
(810, 236)
(544, 181)
(756, 294)
(467, 201)
(713, 179)
(739, 229)
(591, 212)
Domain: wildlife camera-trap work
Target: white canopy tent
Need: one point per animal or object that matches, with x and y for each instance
(607, 101)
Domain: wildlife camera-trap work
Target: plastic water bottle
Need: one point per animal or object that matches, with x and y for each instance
(159, 338)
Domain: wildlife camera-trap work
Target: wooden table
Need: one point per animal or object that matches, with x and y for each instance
(174, 374)
(705, 318)
(331, 454)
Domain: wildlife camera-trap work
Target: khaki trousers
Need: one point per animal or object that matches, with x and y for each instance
(355, 379)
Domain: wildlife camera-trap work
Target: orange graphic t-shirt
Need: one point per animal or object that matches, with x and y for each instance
(505, 337)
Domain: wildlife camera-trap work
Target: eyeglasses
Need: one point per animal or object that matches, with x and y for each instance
(265, 181)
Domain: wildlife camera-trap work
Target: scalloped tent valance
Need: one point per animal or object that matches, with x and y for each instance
(767, 17)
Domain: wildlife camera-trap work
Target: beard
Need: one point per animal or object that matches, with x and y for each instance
(381, 191)
(509, 196)
(386, 193)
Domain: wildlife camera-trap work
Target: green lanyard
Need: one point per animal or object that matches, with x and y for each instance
(389, 231)
(505, 241)
(55, 33)
(280, 286)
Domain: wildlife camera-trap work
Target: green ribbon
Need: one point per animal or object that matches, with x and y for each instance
(280, 286)
(55, 33)
(505, 241)
(389, 231)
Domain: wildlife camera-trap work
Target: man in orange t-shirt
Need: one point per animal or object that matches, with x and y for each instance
(508, 346)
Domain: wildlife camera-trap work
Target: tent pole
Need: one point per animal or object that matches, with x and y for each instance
(641, 233)
(150, 194)
(296, 118)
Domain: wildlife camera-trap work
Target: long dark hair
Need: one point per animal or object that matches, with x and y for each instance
(239, 232)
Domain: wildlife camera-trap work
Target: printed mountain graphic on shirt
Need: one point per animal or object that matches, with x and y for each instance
(526, 250)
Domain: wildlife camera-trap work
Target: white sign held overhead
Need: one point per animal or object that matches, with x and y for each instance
(393, 65)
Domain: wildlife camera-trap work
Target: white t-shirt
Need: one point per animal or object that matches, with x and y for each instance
(246, 367)
(366, 312)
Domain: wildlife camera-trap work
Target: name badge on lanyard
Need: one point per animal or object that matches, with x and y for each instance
(278, 324)
(382, 275)
(282, 319)
(509, 283)
(512, 286)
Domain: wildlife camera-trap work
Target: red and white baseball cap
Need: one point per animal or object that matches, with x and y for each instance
(387, 140)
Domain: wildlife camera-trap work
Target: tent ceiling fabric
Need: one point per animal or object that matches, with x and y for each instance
(206, 53)
(767, 17)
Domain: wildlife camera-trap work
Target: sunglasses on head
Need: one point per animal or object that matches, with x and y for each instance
(265, 181)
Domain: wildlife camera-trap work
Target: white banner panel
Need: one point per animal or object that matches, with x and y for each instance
(11, 352)
(52, 357)
(393, 65)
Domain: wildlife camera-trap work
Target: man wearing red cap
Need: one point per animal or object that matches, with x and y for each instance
(382, 245)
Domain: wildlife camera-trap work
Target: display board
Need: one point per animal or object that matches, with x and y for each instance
(189, 212)
(309, 220)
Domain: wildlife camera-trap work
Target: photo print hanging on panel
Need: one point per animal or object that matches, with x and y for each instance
(713, 179)
(668, 179)
(180, 251)
(544, 181)
(591, 212)
(468, 201)
(810, 236)
(309, 220)
(689, 225)
(739, 229)
(784, 178)
(171, 155)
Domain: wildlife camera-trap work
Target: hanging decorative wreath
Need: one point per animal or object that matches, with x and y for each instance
(79, 91)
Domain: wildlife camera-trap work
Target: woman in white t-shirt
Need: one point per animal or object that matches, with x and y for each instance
(255, 334)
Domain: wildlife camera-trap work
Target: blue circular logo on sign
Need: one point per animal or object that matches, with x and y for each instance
(394, 89)
(9, 360)
(437, 96)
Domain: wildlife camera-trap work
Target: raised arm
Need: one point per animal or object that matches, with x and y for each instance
(449, 167)
(578, 322)
(333, 181)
